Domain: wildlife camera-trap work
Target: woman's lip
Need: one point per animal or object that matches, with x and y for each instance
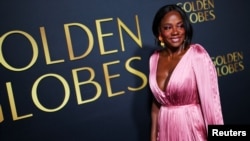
(175, 39)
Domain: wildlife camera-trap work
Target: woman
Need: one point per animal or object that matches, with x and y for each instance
(183, 81)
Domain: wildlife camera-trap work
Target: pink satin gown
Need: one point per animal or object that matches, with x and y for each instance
(191, 99)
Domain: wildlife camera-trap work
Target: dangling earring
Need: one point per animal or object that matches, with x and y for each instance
(162, 44)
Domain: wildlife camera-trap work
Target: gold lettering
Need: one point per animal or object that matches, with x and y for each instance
(33, 45)
(46, 48)
(200, 10)
(210, 4)
(241, 65)
(237, 56)
(201, 17)
(189, 7)
(121, 26)
(137, 73)
(199, 5)
(89, 81)
(13, 105)
(219, 60)
(229, 63)
(69, 42)
(193, 17)
(218, 71)
(1, 114)
(35, 97)
(224, 70)
(211, 12)
(108, 77)
(100, 36)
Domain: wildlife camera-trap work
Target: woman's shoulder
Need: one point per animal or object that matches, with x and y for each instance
(198, 48)
(198, 51)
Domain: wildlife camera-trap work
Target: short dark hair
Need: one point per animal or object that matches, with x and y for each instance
(162, 12)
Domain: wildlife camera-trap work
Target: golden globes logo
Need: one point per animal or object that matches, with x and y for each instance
(78, 82)
(229, 63)
(199, 10)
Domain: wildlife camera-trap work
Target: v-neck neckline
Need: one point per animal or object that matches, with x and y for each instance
(170, 77)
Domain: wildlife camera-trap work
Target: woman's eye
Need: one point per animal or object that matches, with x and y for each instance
(180, 26)
(167, 27)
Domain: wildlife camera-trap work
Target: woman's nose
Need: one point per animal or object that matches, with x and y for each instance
(175, 31)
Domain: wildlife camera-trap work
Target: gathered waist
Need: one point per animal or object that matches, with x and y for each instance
(184, 105)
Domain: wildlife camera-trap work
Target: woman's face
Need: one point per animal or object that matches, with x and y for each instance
(172, 31)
